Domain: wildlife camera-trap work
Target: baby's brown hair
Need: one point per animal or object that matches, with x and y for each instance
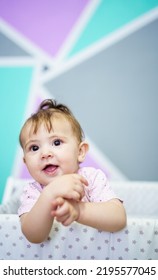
(48, 110)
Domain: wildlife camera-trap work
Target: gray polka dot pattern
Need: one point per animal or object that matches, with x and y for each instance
(139, 240)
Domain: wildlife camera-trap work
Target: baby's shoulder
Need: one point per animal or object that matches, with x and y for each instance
(92, 173)
(32, 186)
(87, 170)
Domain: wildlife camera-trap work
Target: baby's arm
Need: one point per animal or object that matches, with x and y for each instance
(37, 223)
(103, 211)
(106, 216)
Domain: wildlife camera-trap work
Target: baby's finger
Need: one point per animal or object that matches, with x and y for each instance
(76, 195)
(62, 219)
(83, 180)
(68, 221)
(56, 203)
(62, 210)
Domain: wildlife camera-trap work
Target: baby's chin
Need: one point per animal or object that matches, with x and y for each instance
(48, 179)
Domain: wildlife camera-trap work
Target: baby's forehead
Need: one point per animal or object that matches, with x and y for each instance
(50, 125)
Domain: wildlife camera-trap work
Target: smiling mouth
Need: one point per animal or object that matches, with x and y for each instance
(50, 168)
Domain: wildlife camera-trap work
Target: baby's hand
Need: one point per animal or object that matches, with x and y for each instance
(69, 186)
(65, 211)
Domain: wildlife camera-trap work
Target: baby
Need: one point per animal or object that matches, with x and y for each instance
(54, 146)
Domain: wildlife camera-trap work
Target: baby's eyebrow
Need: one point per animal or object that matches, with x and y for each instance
(29, 142)
(56, 136)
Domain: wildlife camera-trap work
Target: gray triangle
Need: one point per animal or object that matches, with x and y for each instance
(10, 48)
(114, 95)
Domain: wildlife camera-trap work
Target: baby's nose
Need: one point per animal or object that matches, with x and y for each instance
(47, 153)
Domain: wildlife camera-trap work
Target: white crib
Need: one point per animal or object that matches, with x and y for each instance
(139, 240)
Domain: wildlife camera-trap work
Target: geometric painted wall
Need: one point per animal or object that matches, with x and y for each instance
(98, 57)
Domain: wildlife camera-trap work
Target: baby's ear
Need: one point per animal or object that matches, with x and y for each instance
(24, 160)
(83, 149)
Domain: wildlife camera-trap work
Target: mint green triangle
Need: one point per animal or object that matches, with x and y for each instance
(110, 16)
(14, 88)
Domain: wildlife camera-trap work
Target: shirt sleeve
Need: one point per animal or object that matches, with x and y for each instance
(28, 198)
(99, 188)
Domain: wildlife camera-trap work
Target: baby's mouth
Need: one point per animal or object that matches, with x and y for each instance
(50, 168)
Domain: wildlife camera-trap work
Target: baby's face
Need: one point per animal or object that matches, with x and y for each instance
(49, 154)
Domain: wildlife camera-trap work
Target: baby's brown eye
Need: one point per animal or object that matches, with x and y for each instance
(57, 142)
(34, 148)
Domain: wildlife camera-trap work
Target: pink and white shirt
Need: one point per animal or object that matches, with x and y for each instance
(97, 190)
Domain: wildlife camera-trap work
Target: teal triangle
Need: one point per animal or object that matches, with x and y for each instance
(14, 88)
(110, 16)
